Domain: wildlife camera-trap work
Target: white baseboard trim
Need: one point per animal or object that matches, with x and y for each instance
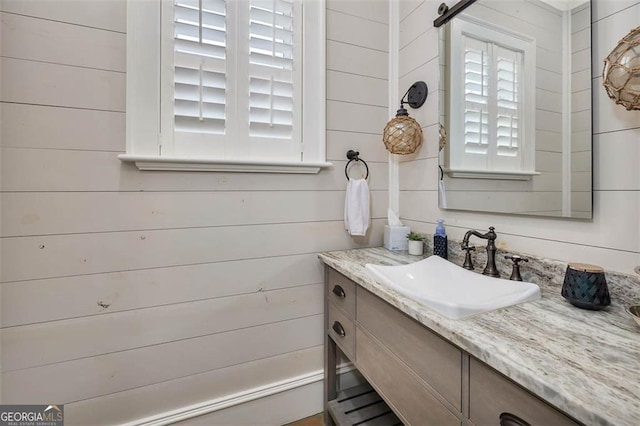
(232, 400)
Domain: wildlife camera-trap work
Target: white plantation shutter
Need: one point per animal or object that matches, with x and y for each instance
(218, 85)
(274, 74)
(200, 66)
(262, 118)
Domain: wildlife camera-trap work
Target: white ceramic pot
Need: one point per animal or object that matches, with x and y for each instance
(416, 247)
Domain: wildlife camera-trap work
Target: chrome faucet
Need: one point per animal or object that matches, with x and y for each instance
(490, 269)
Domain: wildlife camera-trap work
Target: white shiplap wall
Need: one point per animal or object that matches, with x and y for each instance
(126, 294)
(612, 238)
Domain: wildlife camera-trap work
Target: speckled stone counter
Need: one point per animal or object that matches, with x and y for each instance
(586, 363)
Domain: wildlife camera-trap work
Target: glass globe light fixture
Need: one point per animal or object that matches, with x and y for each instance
(621, 73)
(403, 134)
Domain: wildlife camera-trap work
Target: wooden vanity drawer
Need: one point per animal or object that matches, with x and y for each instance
(492, 394)
(342, 331)
(435, 360)
(342, 291)
(406, 395)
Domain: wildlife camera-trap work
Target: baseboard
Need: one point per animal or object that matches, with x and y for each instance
(235, 400)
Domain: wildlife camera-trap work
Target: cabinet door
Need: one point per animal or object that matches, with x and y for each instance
(406, 394)
(435, 360)
(495, 400)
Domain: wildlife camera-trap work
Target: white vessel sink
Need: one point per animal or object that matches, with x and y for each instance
(451, 290)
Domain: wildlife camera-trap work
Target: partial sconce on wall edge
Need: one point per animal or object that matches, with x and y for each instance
(621, 73)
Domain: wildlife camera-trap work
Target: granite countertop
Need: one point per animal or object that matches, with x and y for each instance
(586, 363)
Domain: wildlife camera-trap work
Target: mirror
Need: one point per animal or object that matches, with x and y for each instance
(515, 102)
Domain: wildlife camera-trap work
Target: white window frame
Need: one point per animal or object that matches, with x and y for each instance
(466, 25)
(144, 142)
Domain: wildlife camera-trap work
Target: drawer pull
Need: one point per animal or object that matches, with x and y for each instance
(339, 329)
(339, 291)
(508, 419)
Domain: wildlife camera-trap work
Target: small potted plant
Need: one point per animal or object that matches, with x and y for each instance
(416, 243)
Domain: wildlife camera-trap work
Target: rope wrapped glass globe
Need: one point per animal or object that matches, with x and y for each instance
(403, 134)
(621, 74)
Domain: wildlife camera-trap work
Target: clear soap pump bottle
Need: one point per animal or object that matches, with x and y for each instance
(440, 240)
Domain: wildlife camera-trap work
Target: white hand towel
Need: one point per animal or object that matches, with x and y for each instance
(443, 194)
(356, 207)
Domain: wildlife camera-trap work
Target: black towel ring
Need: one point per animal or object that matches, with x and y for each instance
(354, 156)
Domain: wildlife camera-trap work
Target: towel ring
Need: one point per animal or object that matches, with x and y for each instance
(354, 156)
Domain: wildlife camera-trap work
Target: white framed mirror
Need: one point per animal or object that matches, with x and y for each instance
(516, 106)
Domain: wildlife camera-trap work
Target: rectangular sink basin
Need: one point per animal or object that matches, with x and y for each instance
(452, 290)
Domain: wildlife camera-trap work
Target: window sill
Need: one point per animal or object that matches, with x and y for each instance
(210, 165)
(491, 174)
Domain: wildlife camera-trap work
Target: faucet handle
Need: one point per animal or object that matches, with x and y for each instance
(468, 263)
(516, 259)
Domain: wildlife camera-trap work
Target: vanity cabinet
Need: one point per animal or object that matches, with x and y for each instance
(422, 378)
(405, 393)
(435, 361)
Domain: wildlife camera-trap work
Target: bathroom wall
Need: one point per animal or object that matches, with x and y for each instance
(612, 238)
(128, 294)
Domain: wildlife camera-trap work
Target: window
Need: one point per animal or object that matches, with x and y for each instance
(492, 102)
(235, 85)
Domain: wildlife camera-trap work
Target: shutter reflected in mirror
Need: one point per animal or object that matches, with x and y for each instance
(508, 85)
(492, 105)
(476, 97)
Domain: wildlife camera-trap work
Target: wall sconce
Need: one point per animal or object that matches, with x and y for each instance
(403, 134)
(621, 73)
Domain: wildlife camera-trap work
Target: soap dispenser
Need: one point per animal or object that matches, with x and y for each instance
(440, 240)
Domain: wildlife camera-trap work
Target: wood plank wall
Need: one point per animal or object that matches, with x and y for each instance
(612, 238)
(125, 293)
